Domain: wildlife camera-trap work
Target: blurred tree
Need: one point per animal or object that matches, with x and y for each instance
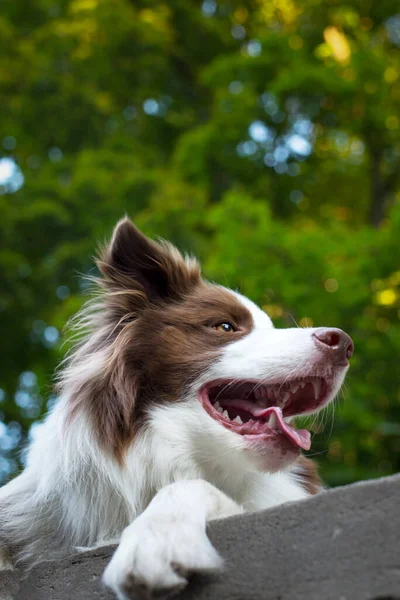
(262, 135)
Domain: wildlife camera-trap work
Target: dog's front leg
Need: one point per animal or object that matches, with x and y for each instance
(168, 541)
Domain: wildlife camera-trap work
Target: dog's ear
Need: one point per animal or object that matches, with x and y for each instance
(134, 262)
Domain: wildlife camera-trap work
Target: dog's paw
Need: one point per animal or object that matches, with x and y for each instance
(156, 557)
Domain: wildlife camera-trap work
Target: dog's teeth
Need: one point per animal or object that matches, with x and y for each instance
(303, 383)
(294, 388)
(286, 397)
(287, 419)
(317, 387)
(237, 419)
(225, 414)
(217, 405)
(272, 420)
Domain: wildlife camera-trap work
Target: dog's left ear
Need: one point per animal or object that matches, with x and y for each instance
(134, 262)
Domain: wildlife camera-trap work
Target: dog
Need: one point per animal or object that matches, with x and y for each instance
(175, 407)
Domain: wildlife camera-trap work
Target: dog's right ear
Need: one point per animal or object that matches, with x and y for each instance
(134, 262)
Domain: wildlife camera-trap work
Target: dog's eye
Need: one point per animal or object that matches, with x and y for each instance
(225, 326)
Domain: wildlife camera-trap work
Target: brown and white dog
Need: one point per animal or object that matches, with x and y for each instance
(176, 408)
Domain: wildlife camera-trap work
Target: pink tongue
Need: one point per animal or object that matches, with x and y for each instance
(300, 437)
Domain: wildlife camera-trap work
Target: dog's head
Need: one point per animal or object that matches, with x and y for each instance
(197, 361)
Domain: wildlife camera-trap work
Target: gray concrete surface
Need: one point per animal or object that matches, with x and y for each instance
(341, 545)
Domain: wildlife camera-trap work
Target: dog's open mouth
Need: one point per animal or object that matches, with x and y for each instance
(258, 411)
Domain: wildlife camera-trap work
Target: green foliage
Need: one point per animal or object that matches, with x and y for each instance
(261, 135)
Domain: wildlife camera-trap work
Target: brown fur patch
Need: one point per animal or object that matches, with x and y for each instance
(157, 331)
(306, 471)
(174, 344)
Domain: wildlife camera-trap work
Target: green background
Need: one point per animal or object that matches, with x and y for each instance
(262, 135)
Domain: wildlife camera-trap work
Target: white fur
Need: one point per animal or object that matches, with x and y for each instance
(182, 471)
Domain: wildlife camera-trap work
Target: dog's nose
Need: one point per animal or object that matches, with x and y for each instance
(336, 343)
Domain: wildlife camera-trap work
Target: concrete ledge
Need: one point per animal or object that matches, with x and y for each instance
(341, 545)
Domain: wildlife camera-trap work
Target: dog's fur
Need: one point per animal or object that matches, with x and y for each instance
(130, 435)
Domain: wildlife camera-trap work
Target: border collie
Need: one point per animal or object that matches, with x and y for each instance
(175, 408)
